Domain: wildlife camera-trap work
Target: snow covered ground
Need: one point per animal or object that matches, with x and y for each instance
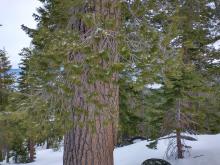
(205, 151)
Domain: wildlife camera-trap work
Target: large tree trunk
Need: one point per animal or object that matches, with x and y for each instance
(92, 138)
(82, 146)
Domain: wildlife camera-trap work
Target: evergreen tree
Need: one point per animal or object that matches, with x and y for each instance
(81, 50)
(74, 70)
(6, 81)
(129, 115)
(24, 89)
(75, 81)
(185, 33)
(25, 54)
(14, 122)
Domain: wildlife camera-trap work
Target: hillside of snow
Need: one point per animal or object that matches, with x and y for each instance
(205, 151)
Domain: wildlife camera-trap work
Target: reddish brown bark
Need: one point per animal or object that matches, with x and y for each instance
(31, 150)
(85, 147)
(92, 138)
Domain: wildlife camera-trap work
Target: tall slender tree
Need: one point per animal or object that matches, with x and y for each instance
(185, 32)
(6, 81)
(24, 89)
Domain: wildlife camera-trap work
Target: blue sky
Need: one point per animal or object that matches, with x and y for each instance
(14, 13)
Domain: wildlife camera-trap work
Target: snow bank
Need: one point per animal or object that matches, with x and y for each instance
(205, 151)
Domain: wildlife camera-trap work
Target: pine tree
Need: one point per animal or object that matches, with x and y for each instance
(6, 81)
(185, 33)
(14, 122)
(75, 69)
(24, 66)
(24, 89)
(79, 51)
(129, 114)
(95, 119)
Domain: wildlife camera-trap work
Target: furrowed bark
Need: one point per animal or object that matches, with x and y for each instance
(85, 144)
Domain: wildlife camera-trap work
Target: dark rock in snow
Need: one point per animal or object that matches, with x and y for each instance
(129, 141)
(122, 144)
(136, 139)
(155, 162)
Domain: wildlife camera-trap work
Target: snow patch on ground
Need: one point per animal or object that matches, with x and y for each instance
(211, 5)
(205, 151)
(217, 44)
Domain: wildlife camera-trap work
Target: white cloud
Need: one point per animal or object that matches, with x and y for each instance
(12, 15)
